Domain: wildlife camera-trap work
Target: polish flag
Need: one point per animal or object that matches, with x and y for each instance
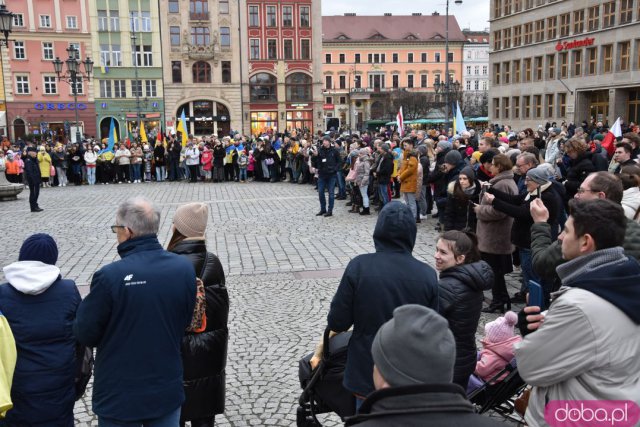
(400, 123)
(609, 141)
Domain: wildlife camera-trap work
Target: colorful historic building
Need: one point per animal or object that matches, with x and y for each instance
(36, 102)
(281, 69)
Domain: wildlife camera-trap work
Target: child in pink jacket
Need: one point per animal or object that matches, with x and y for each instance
(497, 351)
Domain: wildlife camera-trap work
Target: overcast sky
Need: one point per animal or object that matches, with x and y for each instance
(472, 14)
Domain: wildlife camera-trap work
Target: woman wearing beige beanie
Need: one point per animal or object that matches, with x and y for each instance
(204, 354)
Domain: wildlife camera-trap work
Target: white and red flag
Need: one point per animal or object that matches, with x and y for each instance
(400, 123)
(609, 141)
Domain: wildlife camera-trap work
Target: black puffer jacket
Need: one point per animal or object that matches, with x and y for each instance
(461, 295)
(204, 355)
(578, 171)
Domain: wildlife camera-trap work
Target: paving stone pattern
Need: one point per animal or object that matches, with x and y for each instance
(282, 263)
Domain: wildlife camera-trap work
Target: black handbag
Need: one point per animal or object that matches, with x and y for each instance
(84, 369)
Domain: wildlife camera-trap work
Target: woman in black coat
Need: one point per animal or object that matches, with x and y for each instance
(580, 165)
(463, 280)
(461, 197)
(204, 354)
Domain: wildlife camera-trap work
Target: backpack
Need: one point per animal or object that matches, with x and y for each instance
(199, 318)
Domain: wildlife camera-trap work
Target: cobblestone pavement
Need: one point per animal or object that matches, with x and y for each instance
(282, 263)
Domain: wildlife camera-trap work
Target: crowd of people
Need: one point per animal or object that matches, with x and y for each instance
(561, 204)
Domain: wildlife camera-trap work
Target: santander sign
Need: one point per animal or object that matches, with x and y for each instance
(574, 44)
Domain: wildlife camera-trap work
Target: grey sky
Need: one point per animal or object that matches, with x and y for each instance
(472, 14)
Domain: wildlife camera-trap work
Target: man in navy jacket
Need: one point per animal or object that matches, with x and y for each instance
(32, 172)
(136, 315)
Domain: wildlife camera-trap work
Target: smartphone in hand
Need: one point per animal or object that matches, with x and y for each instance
(536, 295)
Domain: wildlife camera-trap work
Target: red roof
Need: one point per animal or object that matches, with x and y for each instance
(389, 28)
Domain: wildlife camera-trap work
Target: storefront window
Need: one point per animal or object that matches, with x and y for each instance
(299, 120)
(263, 87)
(261, 121)
(298, 87)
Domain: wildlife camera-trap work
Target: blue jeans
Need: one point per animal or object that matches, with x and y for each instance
(159, 173)
(170, 420)
(342, 190)
(91, 175)
(364, 192)
(384, 193)
(136, 171)
(243, 174)
(329, 183)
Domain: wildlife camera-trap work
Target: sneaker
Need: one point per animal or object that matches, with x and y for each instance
(321, 213)
(328, 214)
(423, 216)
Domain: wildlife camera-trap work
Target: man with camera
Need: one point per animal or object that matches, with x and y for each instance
(326, 160)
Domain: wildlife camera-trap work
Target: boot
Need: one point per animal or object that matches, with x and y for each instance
(355, 209)
(365, 211)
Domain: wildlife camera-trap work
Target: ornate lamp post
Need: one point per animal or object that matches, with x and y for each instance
(73, 76)
(6, 27)
(447, 89)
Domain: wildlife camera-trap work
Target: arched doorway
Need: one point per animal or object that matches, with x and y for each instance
(105, 127)
(19, 129)
(377, 110)
(206, 117)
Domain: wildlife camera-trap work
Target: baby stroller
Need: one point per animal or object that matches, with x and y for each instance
(499, 393)
(322, 389)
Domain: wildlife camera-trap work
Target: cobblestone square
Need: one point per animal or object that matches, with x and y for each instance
(282, 264)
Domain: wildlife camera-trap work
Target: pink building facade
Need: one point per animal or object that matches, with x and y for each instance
(37, 104)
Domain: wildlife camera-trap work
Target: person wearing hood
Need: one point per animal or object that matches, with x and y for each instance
(587, 345)
(373, 285)
(44, 162)
(408, 176)
(462, 195)
(40, 307)
(463, 279)
(12, 165)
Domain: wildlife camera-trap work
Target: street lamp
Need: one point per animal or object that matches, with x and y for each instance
(6, 27)
(448, 84)
(134, 48)
(73, 76)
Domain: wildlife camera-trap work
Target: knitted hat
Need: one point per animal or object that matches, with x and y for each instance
(444, 145)
(538, 175)
(414, 335)
(500, 329)
(453, 157)
(39, 247)
(598, 137)
(476, 155)
(191, 219)
(469, 173)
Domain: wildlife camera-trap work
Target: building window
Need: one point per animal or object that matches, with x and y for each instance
(304, 16)
(254, 49)
(174, 6)
(578, 21)
(485, 69)
(114, 20)
(497, 41)
(424, 83)
(394, 58)
(497, 9)
(343, 100)
(200, 36)
(103, 21)
(592, 57)
(517, 36)
(549, 103)
(143, 56)
(551, 66)
(506, 36)
(140, 21)
(76, 47)
(626, 9)
(176, 71)
(225, 36)
(47, 50)
(287, 16)
(50, 85)
(271, 16)
(507, 7)
(436, 78)
(136, 88)
(356, 58)
(395, 81)
(288, 48)
(562, 105)
(528, 33)
(226, 71)
(468, 85)
(410, 80)
(496, 108)
(607, 58)
(328, 100)
(451, 57)
(305, 49)
(564, 65)
(540, 30)
(45, 21)
(496, 74)
(527, 70)
(174, 35)
(410, 57)
(272, 49)
(150, 88)
(552, 24)
(19, 50)
(328, 82)
(609, 14)
(18, 20)
(594, 18)
(537, 101)
(201, 72)
(120, 88)
(424, 57)
(476, 85)
(624, 50)
(105, 55)
(105, 89)
(223, 6)
(357, 81)
(254, 18)
(527, 106)
(342, 58)
(327, 58)
(565, 23)
(72, 22)
(468, 70)
(516, 107)
(506, 107)
(343, 82)
(516, 71)
(298, 87)
(577, 63)
(116, 56)
(506, 73)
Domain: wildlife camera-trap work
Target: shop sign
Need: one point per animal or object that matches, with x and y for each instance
(50, 106)
(328, 107)
(299, 106)
(575, 44)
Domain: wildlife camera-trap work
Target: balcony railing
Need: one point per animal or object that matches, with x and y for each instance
(199, 16)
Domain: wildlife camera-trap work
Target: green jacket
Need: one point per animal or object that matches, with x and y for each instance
(547, 255)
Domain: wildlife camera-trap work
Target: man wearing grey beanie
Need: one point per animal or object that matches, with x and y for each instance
(414, 354)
